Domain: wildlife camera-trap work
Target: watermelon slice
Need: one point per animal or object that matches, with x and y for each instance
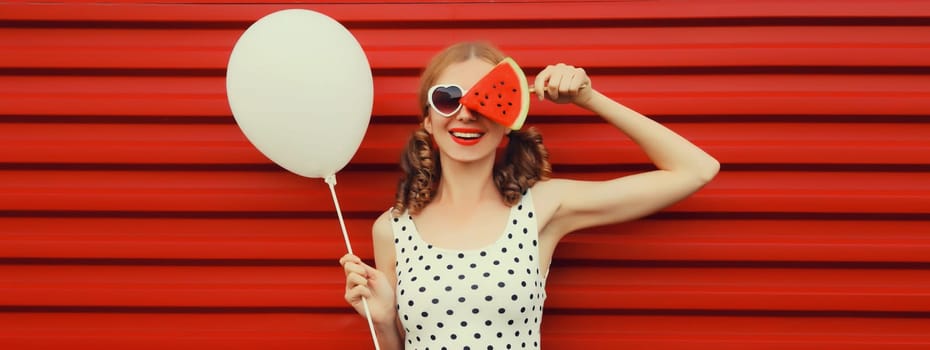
(502, 95)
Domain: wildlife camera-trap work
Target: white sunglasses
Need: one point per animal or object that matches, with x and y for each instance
(445, 99)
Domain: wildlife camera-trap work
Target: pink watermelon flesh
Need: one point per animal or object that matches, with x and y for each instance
(502, 95)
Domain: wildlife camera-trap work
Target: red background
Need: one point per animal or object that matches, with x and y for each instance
(135, 214)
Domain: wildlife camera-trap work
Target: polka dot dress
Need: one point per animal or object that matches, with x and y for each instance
(482, 299)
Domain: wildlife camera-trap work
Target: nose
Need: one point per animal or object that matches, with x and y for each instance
(465, 115)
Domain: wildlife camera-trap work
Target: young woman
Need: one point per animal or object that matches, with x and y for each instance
(463, 256)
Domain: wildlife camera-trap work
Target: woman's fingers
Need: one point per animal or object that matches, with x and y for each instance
(349, 258)
(355, 295)
(356, 272)
(560, 82)
(552, 89)
(540, 83)
(355, 279)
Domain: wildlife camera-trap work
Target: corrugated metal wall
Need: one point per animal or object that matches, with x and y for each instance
(134, 213)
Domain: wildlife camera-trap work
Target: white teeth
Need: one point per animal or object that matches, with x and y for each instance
(467, 135)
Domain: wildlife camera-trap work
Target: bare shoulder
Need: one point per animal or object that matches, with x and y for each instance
(381, 231)
(382, 236)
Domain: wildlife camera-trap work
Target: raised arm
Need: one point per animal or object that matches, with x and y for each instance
(683, 168)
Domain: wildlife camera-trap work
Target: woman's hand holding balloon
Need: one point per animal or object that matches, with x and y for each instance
(364, 281)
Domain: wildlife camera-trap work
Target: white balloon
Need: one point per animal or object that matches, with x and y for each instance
(300, 89)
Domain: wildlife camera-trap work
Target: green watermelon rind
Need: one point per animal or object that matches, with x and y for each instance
(524, 94)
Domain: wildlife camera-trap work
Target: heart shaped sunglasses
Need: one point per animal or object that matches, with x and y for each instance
(445, 99)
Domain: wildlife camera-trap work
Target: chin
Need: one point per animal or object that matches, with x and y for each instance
(469, 154)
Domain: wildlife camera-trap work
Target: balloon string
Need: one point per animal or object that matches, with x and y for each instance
(331, 181)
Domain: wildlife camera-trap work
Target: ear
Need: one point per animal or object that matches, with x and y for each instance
(428, 125)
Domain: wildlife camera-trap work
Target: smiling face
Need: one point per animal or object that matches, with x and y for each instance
(464, 136)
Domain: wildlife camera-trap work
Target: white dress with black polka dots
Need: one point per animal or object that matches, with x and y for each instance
(488, 298)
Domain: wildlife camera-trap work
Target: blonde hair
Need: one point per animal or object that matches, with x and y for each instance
(525, 160)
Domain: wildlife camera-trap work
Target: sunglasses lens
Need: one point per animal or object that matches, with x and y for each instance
(446, 99)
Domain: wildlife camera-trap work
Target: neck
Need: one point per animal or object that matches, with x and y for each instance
(467, 184)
